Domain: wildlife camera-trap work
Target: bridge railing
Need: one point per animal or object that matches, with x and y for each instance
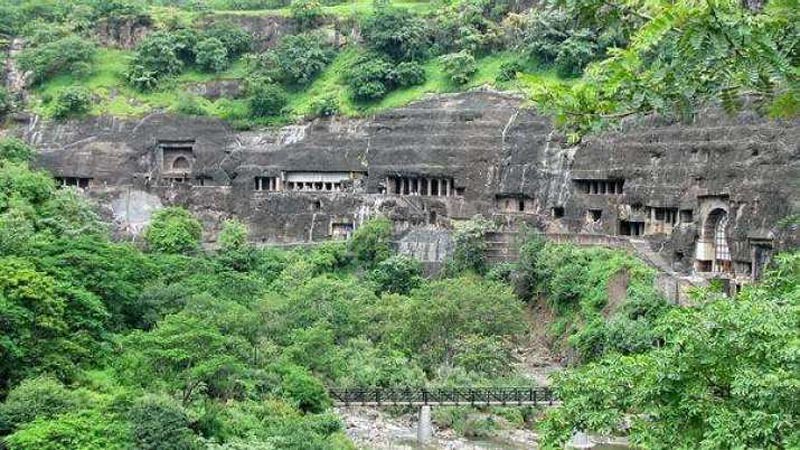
(444, 396)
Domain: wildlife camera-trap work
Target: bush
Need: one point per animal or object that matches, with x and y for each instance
(409, 74)
(299, 58)
(211, 55)
(189, 105)
(306, 13)
(233, 236)
(173, 230)
(71, 54)
(73, 100)
(236, 40)
(304, 391)
(396, 33)
(575, 53)
(326, 106)
(86, 430)
(371, 77)
(157, 57)
(508, 71)
(459, 67)
(398, 274)
(15, 150)
(470, 245)
(35, 398)
(370, 242)
(268, 100)
(159, 422)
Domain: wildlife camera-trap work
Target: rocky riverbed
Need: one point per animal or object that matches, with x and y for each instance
(374, 429)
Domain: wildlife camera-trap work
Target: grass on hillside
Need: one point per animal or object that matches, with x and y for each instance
(113, 96)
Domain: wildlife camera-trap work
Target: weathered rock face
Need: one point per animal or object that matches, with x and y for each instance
(123, 33)
(706, 196)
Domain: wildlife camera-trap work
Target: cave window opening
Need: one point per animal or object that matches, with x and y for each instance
(600, 186)
(594, 215)
(628, 228)
(521, 205)
(77, 182)
(558, 212)
(686, 216)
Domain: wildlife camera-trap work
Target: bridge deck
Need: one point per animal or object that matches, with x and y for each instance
(513, 396)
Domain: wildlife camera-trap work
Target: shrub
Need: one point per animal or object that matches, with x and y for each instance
(470, 245)
(157, 57)
(73, 100)
(508, 70)
(189, 105)
(459, 67)
(409, 73)
(371, 77)
(326, 106)
(35, 398)
(370, 242)
(71, 54)
(396, 33)
(299, 58)
(575, 53)
(399, 274)
(306, 13)
(173, 230)
(304, 391)
(211, 55)
(15, 150)
(87, 430)
(233, 236)
(236, 40)
(159, 422)
(268, 100)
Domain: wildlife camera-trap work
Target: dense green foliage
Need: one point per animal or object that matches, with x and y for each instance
(73, 100)
(70, 54)
(613, 59)
(726, 375)
(173, 230)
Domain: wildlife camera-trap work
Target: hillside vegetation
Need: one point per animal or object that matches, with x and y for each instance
(590, 63)
(163, 345)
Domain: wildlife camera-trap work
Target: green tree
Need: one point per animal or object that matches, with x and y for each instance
(233, 236)
(159, 422)
(306, 13)
(684, 56)
(85, 429)
(15, 150)
(303, 390)
(157, 56)
(173, 230)
(298, 59)
(211, 55)
(370, 243)
(726, 375)
(71, 54)
(396, 33)
(398, 274)
(74, 100)
(36, 398)
(46, 325)
(268, 100)
(459, 67)
(187, 355)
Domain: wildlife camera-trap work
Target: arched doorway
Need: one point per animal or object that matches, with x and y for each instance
(715, 232)
(181, 164)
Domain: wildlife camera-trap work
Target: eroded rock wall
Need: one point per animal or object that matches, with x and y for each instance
(448, 158)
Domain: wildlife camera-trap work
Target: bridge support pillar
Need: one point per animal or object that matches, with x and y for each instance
(424, 427)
